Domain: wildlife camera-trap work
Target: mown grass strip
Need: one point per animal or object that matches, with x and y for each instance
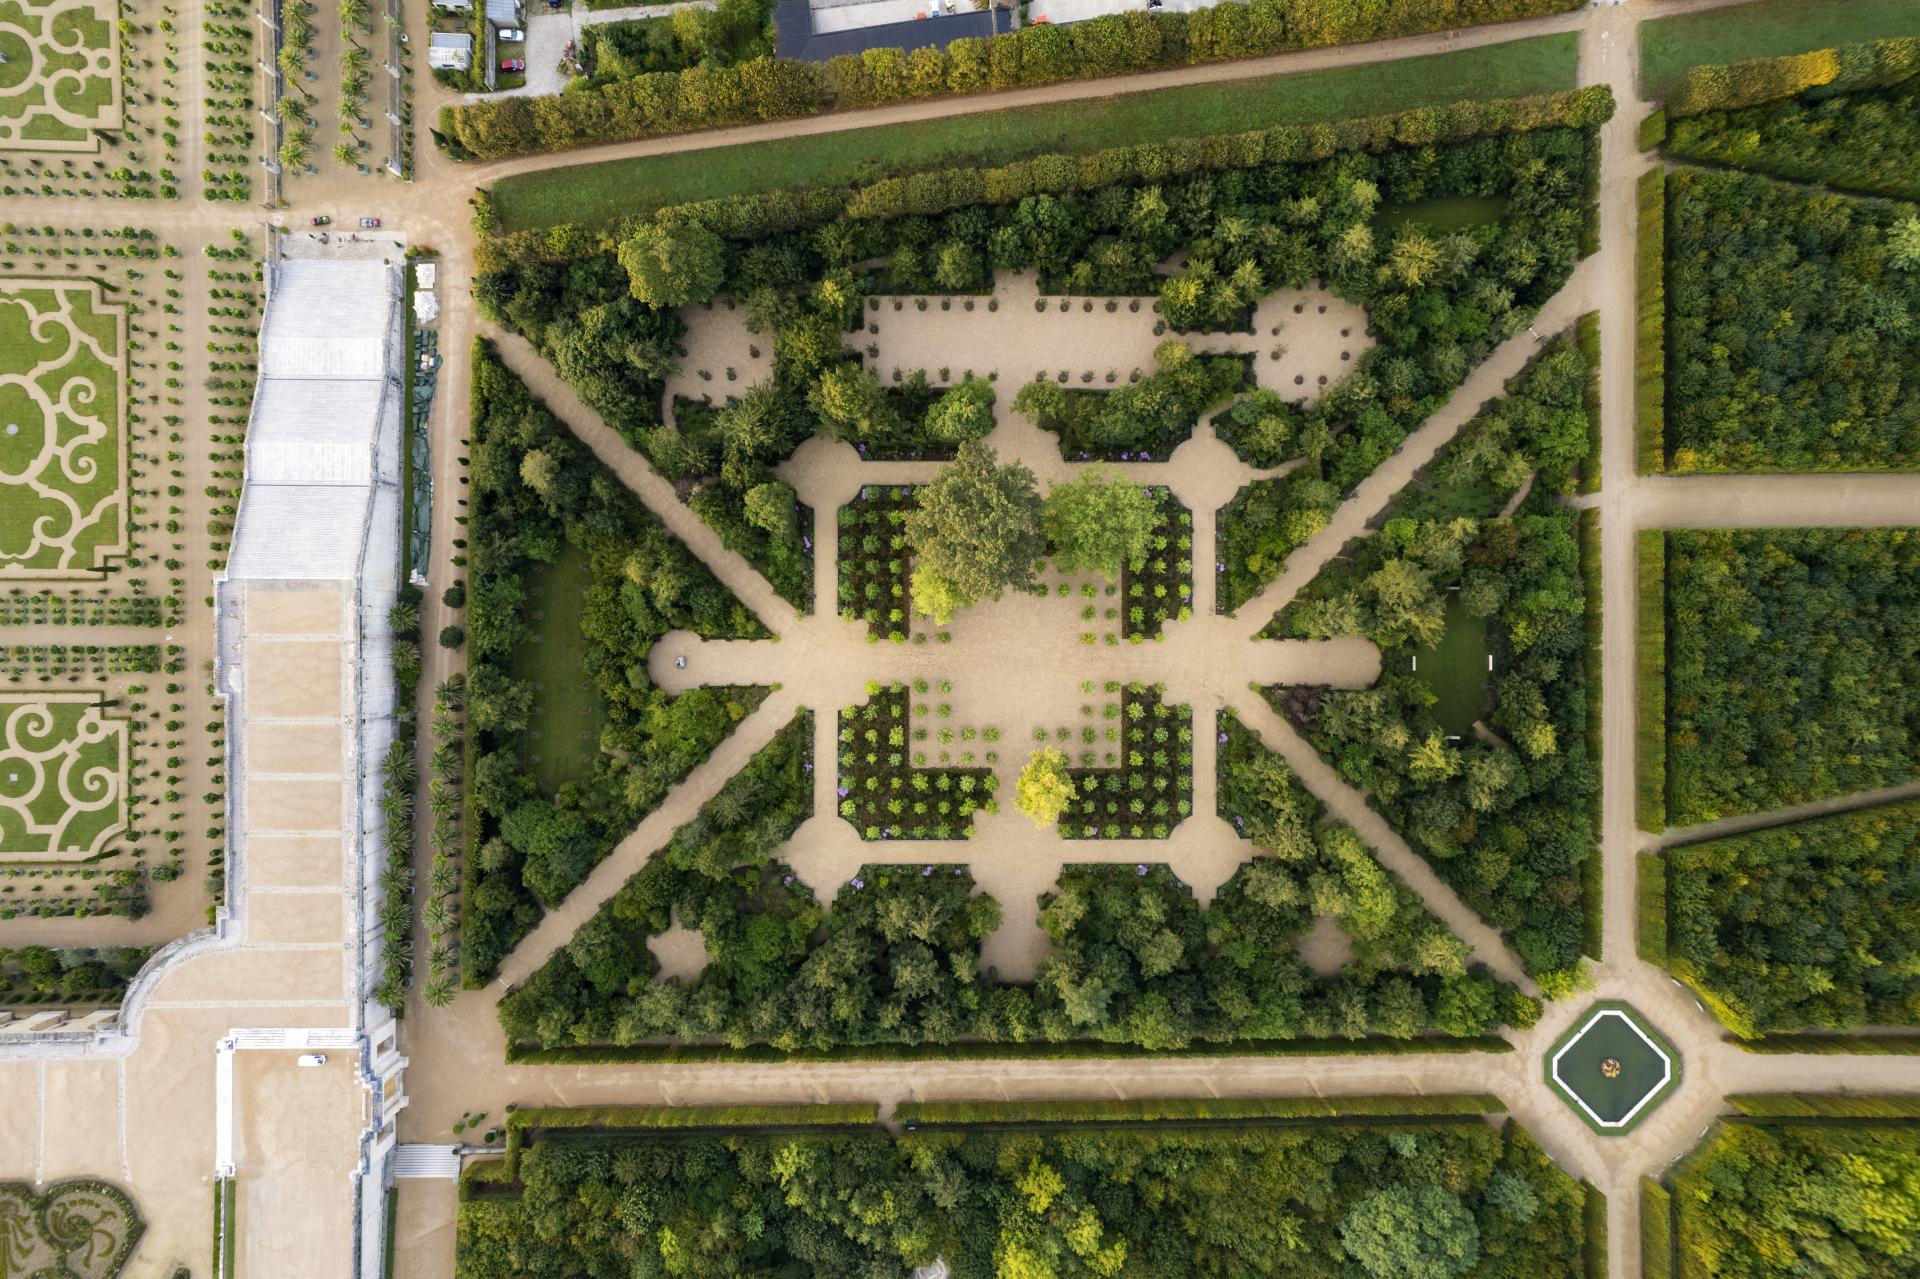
(600, 194)
(1182, 1109)
(1652, 934)
(1650, 332)
(1764, 29)
(1801, 1105)
(1650, 761)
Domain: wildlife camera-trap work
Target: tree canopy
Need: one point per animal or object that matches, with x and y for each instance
(1098, 522)
(975, 530)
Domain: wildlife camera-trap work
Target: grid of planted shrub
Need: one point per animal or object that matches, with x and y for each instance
(883, 794)
(1150, 790)
(873, 560)
(1158, 587)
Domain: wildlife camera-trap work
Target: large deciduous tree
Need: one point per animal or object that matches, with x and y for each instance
(976, 530)
(670, 266)
(1099, 522)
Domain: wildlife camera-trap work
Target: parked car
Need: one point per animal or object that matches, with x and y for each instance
(322, 220)
(370, 223)
(512, 35)
(513, 64)
(313, 1059)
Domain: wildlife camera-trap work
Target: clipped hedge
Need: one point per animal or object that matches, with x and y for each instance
(1802, 1105)
(779, 88)
(1036, 1050)
(1656, 1230)
(1592, 657)
(543, 1119)
(1744, 84)
(1653, 909)
(1653, 129)
(767, 213)
(1650, 332)
(1594, 1209)
(1832, 1045)
(1586, 332)
(1196, 1109)
(1650, 760)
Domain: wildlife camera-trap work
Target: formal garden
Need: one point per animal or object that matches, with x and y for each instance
(85, 1229)
(63, 777)
(60, 82)
(63, 429)
(1017, 587)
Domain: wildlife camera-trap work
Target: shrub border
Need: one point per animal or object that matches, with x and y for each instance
(1650, 331)
(1650, 723)
(1037, 1050)
(1196, 1109)
(1656, 1230)
(1800, 1105)
(1652, 935)
(1831, 1045)
(1592, 868)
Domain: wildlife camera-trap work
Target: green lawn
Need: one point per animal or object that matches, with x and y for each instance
(601, 193)
(564, 737)
(1456, 670)
(1764, 29)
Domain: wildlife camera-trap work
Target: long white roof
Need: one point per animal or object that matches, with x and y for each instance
(328, 395)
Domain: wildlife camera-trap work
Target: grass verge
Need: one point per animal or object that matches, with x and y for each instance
(1652, 933)
(1656, 1230)
(1650, 332)
(1650, 760)
(1764, 29)
(599, 194)
(1175, 1110)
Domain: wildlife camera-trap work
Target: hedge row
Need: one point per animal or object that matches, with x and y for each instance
(1650, 760)
(1653, 909)
(1173, 1110)
(1832, 1045)
(1587, 334)
(1650, 338)
(638, 1118)
(1592, 658)
(775, 89)
(1594, 1208)
(936, 191)
(1653, 129)
(1824, 1106)
(1726, 86)
(1656, 1230)
(1037, 1050)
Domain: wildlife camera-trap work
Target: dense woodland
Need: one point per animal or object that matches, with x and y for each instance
(1767, 1202)
(1790, 666)
(1504, 818)
(896, 960)
(1439, 1200)
(1810, 925)
(1793, 327)
(1866, 142)
(536, 491)
(1438, 304)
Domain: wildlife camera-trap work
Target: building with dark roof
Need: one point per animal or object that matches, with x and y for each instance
(793, 25)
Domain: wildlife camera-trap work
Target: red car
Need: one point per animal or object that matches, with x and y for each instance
(513, 64)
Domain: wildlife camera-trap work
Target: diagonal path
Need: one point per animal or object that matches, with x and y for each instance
(1370, 497)
(1349, 805)
(682, 803)
(645, 483)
